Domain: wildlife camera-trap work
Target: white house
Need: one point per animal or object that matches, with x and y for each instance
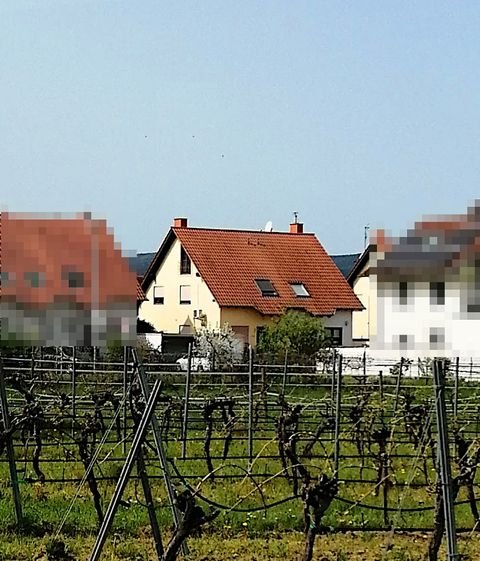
(427, 286)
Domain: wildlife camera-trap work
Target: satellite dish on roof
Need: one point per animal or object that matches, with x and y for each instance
(268, 226)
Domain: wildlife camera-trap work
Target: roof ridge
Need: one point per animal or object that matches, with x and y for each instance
(238, 230)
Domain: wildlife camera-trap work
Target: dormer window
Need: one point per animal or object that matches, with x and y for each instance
(35, 279)
(74, 279)
(299, 290)
(185, 263)
(266, 287)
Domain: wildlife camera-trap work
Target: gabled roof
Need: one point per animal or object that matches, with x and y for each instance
(230, 261)
(358, 265)
(50, 249)
(433, 248)
(345, 262)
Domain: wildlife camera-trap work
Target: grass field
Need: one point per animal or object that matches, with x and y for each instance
(274, 546)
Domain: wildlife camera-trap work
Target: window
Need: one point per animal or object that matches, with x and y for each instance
(35, 279)
(404, 341)
(185, 297)
(403, 293)
(437, 337)
(437, 293)
(266, 287)
(74, 279)
(158, 295)
(335, 336)
(473, 289)
(185, 263)
(259, 334)
(6, 278)
(299, 289)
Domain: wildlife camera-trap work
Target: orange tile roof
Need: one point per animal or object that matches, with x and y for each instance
(140, 294)
(229, 261)
(52, 246)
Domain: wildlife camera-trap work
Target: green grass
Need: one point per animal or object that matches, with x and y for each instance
(241, 547)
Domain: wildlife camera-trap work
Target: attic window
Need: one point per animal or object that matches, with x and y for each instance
(74, 279)
(185, 263)
(299, 289)
(35, 279)
(266, 287)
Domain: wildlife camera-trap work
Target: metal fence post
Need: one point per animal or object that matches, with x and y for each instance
(32, 368)
(332, 387)
(364, 365)
(397, 389)
(10, 450)
(74, 387)
(444, 459)
(126, 469)
(142, 377)
(125, 389)
(455, 391)
(285, 372)
(250, 405)
(380, 391)
(186, 402)
(338, 402)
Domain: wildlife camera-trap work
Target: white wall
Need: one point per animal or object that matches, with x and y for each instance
(418, 317)
(343, 319)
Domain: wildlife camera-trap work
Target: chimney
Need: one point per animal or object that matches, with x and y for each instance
(180, 223)
(296, 228)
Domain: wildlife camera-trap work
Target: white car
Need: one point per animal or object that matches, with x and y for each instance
(199, 364)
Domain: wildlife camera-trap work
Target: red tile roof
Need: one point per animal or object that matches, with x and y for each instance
(53, 246)
(140, 294)
(229, 261)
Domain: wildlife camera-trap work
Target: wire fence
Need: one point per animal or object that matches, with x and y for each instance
(379, 438)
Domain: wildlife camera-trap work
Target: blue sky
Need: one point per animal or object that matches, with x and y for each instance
(235, 113)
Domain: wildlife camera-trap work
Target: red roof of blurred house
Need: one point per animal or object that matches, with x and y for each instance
(49, 260)
(230, 261)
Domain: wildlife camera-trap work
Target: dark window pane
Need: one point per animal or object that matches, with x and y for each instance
(5, 278)
(35, 279)
(266, 287)
(437, 293)
(335, 336)
(403, 292)
(75, 279)
(185, 263)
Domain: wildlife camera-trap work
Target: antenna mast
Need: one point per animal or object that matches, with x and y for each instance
(365, 235)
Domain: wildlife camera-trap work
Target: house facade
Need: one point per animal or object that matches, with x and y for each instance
(203, 277)
(364, 321)
(64, 281)
(428, 288)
